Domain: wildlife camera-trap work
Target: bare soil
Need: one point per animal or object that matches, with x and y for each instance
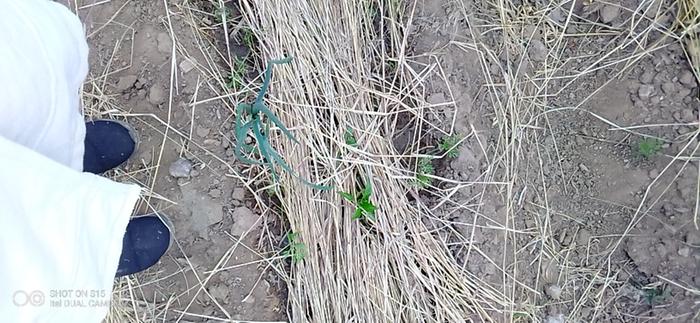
(216, 269)
(592, 230)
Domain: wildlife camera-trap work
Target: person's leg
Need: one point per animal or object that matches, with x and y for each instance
(41, 73)
(40, 77)
(63, 230)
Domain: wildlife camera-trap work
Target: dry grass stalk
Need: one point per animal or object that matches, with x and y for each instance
(348, 73)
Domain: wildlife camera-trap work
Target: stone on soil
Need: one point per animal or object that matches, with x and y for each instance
(608, 13)
(165, 44)
(244, 220)
(553, 291)
(687, 78)
(645, 91)
(180, 168)
(537, 50)
(156, 95)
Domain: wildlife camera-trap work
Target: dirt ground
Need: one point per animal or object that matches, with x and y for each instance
(592, 230)
(216, 269)
(560, 209)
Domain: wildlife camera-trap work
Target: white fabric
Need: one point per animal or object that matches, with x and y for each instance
(43, 61)
(62, 229)
(62, 233)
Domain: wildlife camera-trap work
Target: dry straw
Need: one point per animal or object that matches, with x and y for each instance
(347, 74)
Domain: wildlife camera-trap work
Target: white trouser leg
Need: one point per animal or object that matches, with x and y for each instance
(62, 229)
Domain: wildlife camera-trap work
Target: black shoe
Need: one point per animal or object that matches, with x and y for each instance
(108, 144)
(146, 240)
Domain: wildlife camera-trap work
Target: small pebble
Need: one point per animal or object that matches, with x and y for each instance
(668, 88)
(436, 98)
(156, 95)
(180, 168)
(608, 13)
(164, 42)
(645, 91)
(186, 65)
(684, 252)
(687, 78)
(202, 131)
(557, 14)
(537, 50)
(238, 194)
(647, 77)
(244, 220)
(215, 193)
(553, 291)
(211, 142)
(654, 173)
(583, 168)
(583, 237)
(687, 115)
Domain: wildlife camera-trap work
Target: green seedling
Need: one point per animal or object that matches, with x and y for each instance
(295, 249)
(222, 13)
(521, 317)
(391, 66)
(655, 295)
(450, 145)
(349, 137)
(235, 79)
(425, 169)
(249, 117)
(649, 147)
(247, 37)
(363, 206)
(372, 11)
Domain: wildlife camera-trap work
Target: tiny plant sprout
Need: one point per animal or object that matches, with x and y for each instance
(296, 250)
(450, 145)
(363, 206)
(648, 147)
(425, 171)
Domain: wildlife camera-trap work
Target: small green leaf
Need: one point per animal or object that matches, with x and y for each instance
(449, 145)
(296, 250)
(368, 207)
(366, 192)
(358, 214)
(347, 196)
(350, 137)
(649, 147)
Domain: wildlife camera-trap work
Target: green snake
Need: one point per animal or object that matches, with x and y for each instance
(255, 124)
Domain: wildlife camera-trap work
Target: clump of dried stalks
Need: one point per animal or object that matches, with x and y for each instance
(348, 75)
